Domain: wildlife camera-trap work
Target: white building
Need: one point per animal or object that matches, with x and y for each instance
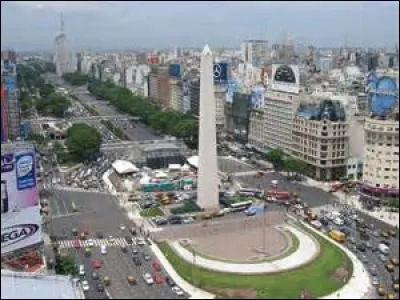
(255, 52)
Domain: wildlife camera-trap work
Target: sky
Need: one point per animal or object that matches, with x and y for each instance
(118, 25)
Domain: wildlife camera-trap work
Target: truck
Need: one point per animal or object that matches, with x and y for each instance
(338, 236)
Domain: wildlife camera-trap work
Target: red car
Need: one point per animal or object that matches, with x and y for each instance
(97, 263)
(77, 244)
(158, 278)
(156, 266)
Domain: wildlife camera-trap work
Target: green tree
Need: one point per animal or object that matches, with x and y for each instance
(83, 142)
(275, 156)
(76, 78)
(36, 138)
(54, 104)
(65, 265)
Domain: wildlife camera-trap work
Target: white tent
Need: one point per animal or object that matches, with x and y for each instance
(193, 161)
(124, 167)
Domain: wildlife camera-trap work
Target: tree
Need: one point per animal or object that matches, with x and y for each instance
(291, 165)
(65, 265)
(75, 78)
(83, 142)
(275, 156)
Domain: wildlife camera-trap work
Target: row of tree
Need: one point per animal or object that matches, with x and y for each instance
(75, 78)
(53, 104)
(286, 163)
(174, 123)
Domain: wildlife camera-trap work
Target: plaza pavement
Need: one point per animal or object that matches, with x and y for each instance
(307, 251)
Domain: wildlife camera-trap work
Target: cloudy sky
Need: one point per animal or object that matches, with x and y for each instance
(32, 25)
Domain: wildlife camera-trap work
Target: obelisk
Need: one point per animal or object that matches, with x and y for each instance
(207, 187)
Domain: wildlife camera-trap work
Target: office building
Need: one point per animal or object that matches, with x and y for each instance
(255, 52)
(320, 138)
(159, 86)
(10, 107)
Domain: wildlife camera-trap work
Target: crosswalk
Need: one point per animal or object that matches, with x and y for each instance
(115, 242)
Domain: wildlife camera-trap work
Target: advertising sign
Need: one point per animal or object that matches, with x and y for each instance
(175, 70)
(10, 82)
(220, 72)
(20, 210)
(286, 78)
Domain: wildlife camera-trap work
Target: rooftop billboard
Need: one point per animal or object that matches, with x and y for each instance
(220, 72)
(20, 210)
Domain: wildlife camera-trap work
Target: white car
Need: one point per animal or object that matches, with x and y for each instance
(103, 249)
(338, 221)
(85, 286)
(82, 270)
(148, 278)
(177, 290)
(140, 241)
(90, 243)
(122, 227)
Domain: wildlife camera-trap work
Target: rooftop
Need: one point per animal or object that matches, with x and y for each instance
(19, 285)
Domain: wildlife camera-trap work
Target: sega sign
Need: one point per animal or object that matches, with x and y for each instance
(220, 71)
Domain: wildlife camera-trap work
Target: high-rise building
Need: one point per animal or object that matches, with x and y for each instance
(10, 108)
(61, 56)
(207, 189)
(255, 52)
(159, 86)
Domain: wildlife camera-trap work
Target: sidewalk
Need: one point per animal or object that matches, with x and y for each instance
(306, 252)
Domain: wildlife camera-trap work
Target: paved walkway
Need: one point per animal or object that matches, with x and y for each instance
(306, 252)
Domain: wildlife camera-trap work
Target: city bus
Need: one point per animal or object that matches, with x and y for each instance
(251, 192)
(241, 206)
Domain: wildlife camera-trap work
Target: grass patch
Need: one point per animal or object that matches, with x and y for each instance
(187, 207)
(317, 277)
(294, 245)
(152, 212)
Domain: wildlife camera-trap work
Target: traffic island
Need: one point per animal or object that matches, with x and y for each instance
(327, 273)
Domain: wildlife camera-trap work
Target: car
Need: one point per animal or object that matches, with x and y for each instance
(131, 280)
(375, 281)
(385, 242)
(361, 247)
(382, 258)
(381, 291)
(76, 244)
(158, 278)
(393, 233)
(148, 241)
(85, 286)
(324, 221)
(103, 249)
(146, 256)
(156, 266)
(97, 263)
(389, 267)
(385, 234)
(90, 242)
(81, 270)
(169, 281)
(140, 241)
(136, 260)
(394, 261)
(373, 271)
(95, 276)
(100, 287)
(345, 230)
(347, 221)
(122, 227)
(135, 250)
(148, 278)
(395, 287)
(375, 233)
(177, 290)
(161, 221)
(364, 259)
(351, 240)
(371, 226)
(129, 240)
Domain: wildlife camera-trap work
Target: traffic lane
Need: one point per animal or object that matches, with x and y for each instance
(81, 258)
(119, 266)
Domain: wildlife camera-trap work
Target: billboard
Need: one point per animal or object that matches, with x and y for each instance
(10, 83)
(175, 70)
(220, 71)
(257, 97)
(20, 210)
(286, 78)
(384, 96)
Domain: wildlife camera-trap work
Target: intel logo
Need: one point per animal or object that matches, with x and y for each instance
(24, 165)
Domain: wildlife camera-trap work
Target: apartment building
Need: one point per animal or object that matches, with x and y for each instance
(381, 152)
(256, 128)
(220, 98)
(159, 86)
(320, 138)
(176, 94)
(194, 95)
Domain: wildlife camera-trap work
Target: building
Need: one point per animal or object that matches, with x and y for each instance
(194, 95)
(208, 190)
(176, 94)
(220, 97)
(241, 106)
(61, 56)
(20, 285)
(159, 86)
(10, 107)
(320, 138)
(255, 52)
(280, 104)
(256, 128)
(381, 152)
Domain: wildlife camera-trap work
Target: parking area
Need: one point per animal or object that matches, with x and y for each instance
(231, 165)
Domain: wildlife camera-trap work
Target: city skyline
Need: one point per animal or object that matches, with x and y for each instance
(168, 24)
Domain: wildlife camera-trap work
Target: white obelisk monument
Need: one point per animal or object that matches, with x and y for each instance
(207, 187)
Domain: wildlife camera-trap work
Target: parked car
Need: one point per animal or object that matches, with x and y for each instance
(85, 286)
(177, 290)
(157, 277)
(375, 281)
(169, 281)
(95, 276)
(100, 287)
(146, 256)
(148, 278)
(136, 260)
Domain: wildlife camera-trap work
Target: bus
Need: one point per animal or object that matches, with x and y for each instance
(251, 192)
(241, 206)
